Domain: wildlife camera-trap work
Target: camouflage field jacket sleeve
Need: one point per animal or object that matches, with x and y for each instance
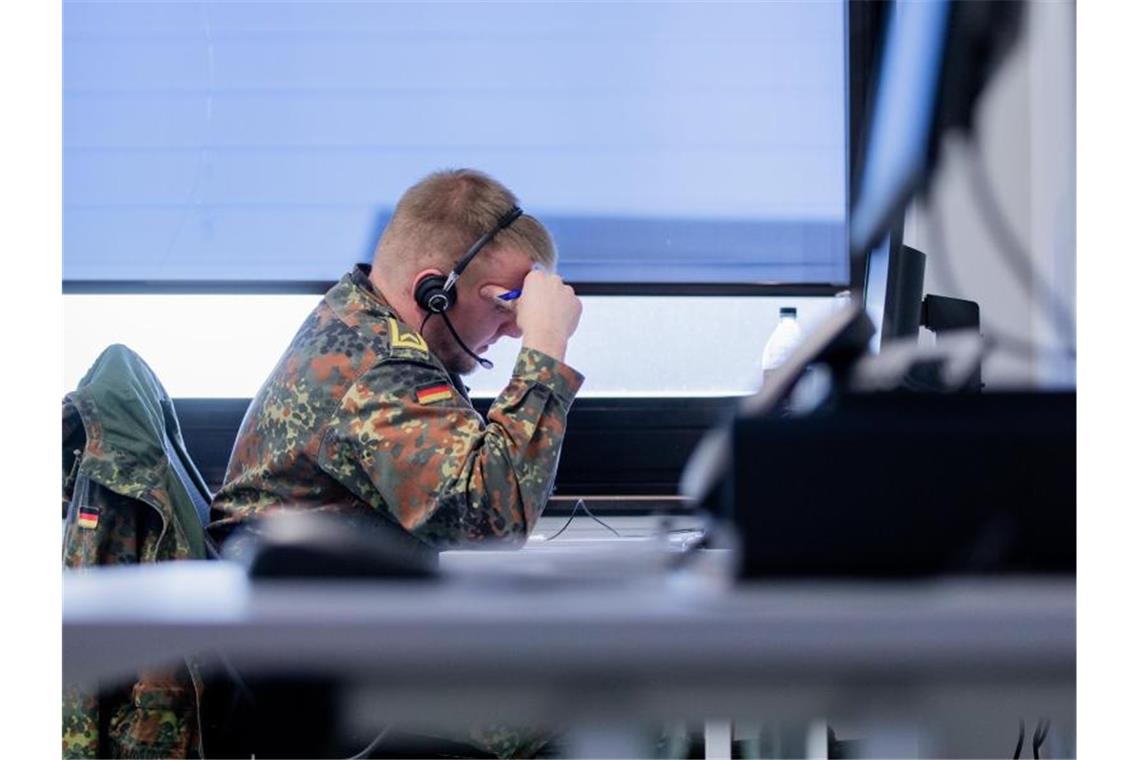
(405, 440)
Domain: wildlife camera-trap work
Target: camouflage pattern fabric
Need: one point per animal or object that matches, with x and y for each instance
(80, 724)
(122, 506)
(359, 415)
(155, 716)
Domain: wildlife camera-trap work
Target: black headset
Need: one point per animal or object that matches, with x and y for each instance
(435, 293)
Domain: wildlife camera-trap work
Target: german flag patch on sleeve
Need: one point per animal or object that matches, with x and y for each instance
(88, 517)
(430, 394)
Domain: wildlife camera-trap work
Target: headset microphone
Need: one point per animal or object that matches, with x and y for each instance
(436, 294)
(484, 363)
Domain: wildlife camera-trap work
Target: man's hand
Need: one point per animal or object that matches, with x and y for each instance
(547, 312)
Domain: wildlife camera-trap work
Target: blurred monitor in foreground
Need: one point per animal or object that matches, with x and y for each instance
(902, 116)
(937, 58)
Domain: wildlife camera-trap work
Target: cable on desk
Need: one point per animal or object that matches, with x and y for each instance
(597, 519)
(573, 512)
(1039, 735)
(582, 504)
(1020, 738)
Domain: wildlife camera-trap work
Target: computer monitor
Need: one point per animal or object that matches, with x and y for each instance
(875, 288)
(902, 117)
(893, 289)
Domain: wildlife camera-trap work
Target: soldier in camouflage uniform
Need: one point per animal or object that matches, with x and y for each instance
(366, 412)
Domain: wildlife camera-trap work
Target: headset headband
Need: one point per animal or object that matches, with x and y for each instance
(506, 220)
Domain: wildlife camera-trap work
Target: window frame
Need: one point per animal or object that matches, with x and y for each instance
(317, 287)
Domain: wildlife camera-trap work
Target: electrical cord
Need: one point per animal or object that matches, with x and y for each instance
(1039, 735)
(1010, 248)
(582, 504)
(995, 339)
(597, 519)
(573, 512)
(371, 745)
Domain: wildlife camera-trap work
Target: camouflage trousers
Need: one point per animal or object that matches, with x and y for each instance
(154, 718)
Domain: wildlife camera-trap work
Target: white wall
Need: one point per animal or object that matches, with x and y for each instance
(220, 346)
(1026, 132)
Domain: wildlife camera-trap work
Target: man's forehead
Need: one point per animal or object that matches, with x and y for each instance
(504, 260)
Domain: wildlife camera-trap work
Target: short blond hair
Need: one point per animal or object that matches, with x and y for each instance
(441, 216)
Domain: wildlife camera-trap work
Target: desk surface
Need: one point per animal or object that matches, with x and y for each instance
(507, 620)
(586, 628)
(589, 627)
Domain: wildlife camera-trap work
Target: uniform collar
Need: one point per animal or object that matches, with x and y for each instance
(360, 277)
(357, 302)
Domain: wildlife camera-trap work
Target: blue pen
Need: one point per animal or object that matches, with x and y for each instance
(510, 295)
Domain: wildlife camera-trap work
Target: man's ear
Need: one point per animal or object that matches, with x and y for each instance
(419, 292)
(418, 278)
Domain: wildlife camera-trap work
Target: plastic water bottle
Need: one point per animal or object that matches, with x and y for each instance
(781, 344)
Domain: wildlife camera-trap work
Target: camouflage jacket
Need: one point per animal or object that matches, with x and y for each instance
(123, 504)
(360, 415)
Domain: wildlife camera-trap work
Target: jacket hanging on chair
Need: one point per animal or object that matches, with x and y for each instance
(130, 494)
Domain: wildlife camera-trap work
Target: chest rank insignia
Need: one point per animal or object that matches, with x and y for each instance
(88, 517)
(429, 394)
(405, 339)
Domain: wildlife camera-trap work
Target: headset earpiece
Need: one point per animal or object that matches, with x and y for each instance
(435, 293)
(431, 296)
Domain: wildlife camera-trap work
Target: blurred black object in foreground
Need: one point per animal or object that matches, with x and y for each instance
(905, 484)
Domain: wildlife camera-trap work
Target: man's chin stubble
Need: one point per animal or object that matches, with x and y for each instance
(452, 357)
(459, 364)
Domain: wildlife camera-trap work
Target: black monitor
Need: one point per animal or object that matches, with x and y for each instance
(893, 290)
(875, 287)
(902, 117)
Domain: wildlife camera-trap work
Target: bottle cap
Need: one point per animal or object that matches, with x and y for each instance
(787, 311)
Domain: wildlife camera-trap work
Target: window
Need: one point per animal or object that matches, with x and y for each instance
(224, 346)
(262, 145)
(267, 142)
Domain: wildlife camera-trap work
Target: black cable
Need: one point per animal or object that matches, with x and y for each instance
(582, 504)
(994, 337)
(1039, 735)
(567, 525)
(598, 519)
(1020, 738)
(1010, 248)
(484, 363)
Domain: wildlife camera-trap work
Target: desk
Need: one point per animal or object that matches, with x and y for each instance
(964, 658)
